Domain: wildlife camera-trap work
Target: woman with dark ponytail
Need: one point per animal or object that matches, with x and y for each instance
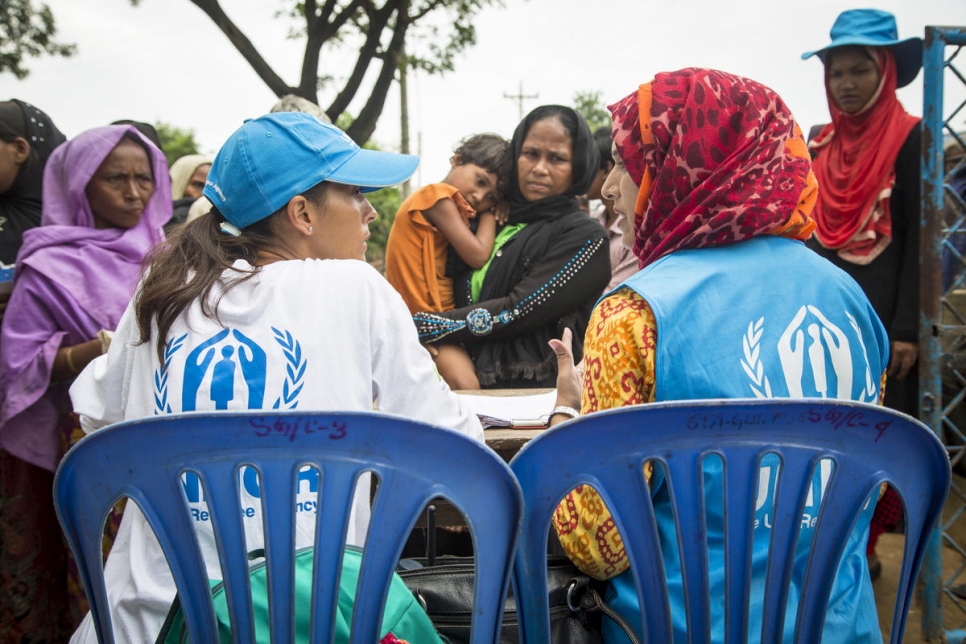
(265, 302)
(195, 259)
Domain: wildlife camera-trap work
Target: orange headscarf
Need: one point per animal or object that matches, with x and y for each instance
(855, 167)
(718, 159)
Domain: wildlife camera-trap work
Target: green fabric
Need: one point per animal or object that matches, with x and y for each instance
(476, 281)
(403, 616)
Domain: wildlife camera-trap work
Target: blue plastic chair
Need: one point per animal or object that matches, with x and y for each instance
(869, 445)
(412, 462)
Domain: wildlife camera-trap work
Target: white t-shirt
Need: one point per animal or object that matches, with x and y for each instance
(307, 335)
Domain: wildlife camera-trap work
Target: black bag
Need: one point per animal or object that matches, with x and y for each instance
(445, 590)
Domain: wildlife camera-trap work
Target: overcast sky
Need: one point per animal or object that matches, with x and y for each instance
(166, 61)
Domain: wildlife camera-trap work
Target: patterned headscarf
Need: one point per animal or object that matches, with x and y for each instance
(855, 166)
(718, 159)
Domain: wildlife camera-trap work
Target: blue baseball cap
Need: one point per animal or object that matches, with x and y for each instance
(875, 28)
(272, 158)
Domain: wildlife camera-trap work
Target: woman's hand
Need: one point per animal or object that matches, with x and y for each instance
(904, 356)
(570, 378)
(71, 360)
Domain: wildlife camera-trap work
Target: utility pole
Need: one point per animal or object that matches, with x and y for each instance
(518, 97)
(404, 113)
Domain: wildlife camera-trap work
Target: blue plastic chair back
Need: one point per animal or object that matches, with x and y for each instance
(412, 463)
(868, 445)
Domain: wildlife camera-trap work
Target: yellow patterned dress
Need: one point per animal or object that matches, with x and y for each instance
(619, 352)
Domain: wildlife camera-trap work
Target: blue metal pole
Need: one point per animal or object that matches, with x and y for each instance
(930, 293)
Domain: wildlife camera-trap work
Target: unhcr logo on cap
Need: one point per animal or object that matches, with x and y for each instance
(214, 186)
(345, 137)
(277, 156)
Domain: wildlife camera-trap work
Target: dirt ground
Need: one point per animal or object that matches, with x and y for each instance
(890, 553)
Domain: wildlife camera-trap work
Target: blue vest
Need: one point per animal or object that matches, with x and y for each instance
(764, 318)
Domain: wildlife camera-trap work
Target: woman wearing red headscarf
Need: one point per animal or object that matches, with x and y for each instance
(868, 211)
(714, 173)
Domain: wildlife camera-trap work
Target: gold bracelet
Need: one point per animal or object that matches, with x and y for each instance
(70, 360)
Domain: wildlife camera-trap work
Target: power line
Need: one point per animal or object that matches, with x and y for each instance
(518, 97)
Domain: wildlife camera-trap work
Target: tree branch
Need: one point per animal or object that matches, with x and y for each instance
(369, 51)
(365, 124)
(318, 31)
(431, 6)
(332, 27)
(327, 10)
(309, 78)
(244, 46)
(310, 18)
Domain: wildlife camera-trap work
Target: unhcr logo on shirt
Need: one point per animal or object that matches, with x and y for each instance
(230, 370)
(306, 493)
(816, 356)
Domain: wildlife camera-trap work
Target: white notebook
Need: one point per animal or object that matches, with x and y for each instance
(529, 410)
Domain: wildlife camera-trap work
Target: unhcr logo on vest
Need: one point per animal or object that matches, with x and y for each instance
(817, 358)
(230, 370)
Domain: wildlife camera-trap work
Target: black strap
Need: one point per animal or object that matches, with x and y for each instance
(582, 597)
(173, 612)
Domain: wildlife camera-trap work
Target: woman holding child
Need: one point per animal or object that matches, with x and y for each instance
(549, 262)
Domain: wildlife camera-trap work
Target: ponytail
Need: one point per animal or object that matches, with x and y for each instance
(194, 259)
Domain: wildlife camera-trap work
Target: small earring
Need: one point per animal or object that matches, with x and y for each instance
(310, 230)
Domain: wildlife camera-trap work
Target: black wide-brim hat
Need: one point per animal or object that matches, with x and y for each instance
(875, 28)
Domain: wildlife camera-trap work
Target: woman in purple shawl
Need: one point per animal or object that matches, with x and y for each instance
(106, 196)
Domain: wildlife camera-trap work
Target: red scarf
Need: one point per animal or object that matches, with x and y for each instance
(718, 159)
(855, 168)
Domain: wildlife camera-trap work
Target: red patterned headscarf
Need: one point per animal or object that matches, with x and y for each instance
(855, 167)
(717, 158)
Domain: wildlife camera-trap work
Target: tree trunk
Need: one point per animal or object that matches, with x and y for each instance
(245, 47)
(369, 19)
(319, 29)
(370, 49)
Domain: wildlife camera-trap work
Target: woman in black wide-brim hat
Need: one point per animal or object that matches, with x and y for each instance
(867, 165)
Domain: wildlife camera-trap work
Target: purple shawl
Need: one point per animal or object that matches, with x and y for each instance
(71, 281)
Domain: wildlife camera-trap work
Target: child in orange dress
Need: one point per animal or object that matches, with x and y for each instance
(436, 218)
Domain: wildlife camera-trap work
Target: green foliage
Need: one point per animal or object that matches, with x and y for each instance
(386, 202)
(437, 30)
(589, 105)
(380, 34)
(176, 142)
(433, 47)
(343, 121)
(27, 31)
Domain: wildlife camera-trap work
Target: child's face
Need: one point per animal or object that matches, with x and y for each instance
(477, 185)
